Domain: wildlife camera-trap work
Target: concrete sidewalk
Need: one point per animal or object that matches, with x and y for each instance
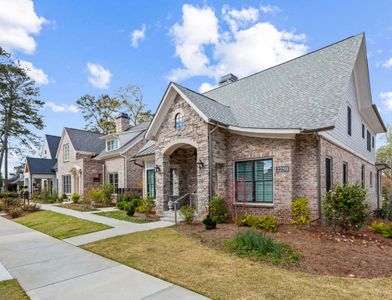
(119, 227)
(48, 268)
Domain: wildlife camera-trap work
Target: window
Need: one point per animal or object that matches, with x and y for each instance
(151, 183)
(363, 176)
(113, 180)
(349, 120)
(371, 179)
(373, 142)
(179, 123)
(363, 131)
(328, 173)
(368, 140)
(345, 173)
(112, 144)
(254, 181)
(67, 184)
(66, 152)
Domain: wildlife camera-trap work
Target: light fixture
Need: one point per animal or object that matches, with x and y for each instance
(157, 168)
(200, 164)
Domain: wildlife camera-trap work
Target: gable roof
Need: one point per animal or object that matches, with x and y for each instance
(302, 94)
(53, 144)
(41, 165)
(85, 141)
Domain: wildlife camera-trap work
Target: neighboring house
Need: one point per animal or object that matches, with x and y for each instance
(288, 131)
(40, 173)
(87, 159)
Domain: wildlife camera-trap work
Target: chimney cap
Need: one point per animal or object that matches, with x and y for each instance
(123, 116)
(228, 78)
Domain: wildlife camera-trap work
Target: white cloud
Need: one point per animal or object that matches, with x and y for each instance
(62, 107)
(18, 22)
(99, 76)
(269, 9)
(206, 87)
(386, 98)
(38, 75)
(199, 28)
(137, 36)
(387, 63)
(248, 47)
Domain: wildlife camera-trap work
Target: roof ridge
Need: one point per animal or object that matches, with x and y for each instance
(53, 135)
(83, 130)
(201, 95)
(285, 62)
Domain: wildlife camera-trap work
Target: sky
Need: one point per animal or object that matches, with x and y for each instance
(72, 48)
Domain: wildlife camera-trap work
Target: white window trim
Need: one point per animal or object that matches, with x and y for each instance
(112, 140)
(66, 157)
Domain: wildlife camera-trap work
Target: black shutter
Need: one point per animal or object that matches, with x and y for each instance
(349, 120)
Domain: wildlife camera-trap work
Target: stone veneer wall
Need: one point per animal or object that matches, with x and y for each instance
(168, 139)
(340, 155)
(91, 169)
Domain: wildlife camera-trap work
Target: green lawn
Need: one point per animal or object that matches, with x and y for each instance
(220, 275)
(122, 215)
(58, 225)
(11, 290)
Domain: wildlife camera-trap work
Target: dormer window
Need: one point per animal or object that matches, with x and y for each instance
(179, 123)
(112, 144)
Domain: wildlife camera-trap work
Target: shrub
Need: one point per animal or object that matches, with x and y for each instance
(209, 223)
(120, 205)
(383, 213)
(63, 197)
(30, 207)
(257, 245)
(15, 212)
(345, 207)
(107, 191)
(300, 211)
(75, 198)
(126, 197)
(93, 195)
(146, 206)
(188, 213)
(2, 205)
(382, 228)
(268, 222)
(218, 209)
(132, 206)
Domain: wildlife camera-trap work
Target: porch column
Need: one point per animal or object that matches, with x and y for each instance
(202, 180)
(162, 181)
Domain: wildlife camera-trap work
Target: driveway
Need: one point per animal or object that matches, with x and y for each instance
(48, 268)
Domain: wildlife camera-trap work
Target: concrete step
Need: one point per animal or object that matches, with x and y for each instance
(169, 216)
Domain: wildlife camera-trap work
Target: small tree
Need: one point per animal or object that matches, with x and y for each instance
(218, 209)
(107, 190)
(345, 207)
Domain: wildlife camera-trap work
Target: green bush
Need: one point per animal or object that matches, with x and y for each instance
(131, 207)
(63, 197)
(345, 207)
(75, 198)
(257, 245)
(382, 228)
(126, 197)
(120, 205)
(268, 222)
(2, 205)
(93, 195)
(15, 212)
(218, 209)
(300, 211)
(209, 223)
(146, 206)
(107, 191)
(188, 213)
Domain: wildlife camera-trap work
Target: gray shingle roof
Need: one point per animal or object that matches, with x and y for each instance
(147, 149)
(53, 143)
(303, 93)
(85, 141)
(41, 165)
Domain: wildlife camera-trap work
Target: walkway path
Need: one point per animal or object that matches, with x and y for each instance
(119, 227)
(48, 268)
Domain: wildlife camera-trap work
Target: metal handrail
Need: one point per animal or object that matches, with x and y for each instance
(176, 202)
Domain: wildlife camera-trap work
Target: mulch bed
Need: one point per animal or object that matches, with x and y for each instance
(360, 254)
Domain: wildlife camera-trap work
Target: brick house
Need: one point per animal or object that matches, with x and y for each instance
(288, 131)
(87, 159)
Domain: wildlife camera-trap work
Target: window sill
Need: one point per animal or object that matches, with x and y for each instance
(250, 204)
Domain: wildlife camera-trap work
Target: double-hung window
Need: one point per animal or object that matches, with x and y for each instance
(67, 184)
(112, 144)
(66, 152)
(113, 180)
(328, 173)
(150, 182)
(254, 181)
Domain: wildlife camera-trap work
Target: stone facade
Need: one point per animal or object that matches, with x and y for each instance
(297, 154)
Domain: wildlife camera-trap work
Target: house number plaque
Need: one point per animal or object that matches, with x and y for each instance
(282, 169)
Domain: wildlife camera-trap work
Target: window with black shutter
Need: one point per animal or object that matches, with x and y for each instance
(345, 173)
(368, 140)
(349, 120)
(328, 173)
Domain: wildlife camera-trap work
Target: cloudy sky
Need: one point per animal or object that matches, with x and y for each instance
(76, 47)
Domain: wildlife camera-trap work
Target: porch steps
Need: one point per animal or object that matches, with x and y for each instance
(168, 216)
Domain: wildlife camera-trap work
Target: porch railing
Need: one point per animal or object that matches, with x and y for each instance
(187, 199)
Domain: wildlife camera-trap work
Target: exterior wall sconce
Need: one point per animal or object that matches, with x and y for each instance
(200, 164)
(157, 168)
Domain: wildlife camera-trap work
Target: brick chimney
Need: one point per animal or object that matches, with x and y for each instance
(226, 79)
(122, 122)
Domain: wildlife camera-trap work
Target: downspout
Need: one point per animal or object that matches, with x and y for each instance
(318, 163)
(125, 171)
(103, 173)
(210, 161)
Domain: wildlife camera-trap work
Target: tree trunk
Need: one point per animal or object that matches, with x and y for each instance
(5, 181)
